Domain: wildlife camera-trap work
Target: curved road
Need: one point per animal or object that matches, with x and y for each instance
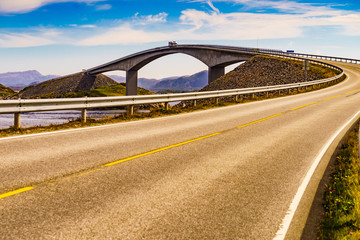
(226, 173)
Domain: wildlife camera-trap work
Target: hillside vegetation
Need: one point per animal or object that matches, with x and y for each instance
(266, 71)
(106, 91)
(59, 86)
(6, 92)
(77, 85)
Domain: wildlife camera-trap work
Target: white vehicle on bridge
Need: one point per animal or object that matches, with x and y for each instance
(173, 44)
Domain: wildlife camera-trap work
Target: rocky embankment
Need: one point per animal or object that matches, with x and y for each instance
(266, 71)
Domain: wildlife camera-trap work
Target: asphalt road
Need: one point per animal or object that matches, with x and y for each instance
(216, 174)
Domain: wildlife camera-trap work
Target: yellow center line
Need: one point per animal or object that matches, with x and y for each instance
(303, 106)
(356, 68)
(247, 124)
(8, 194)
(158, 150)
(332, 97)
(85, 173)
(352, 91)
(4, 195)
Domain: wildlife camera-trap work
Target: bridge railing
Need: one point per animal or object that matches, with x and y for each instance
(338, 59)
(36, 105)
(279, 53)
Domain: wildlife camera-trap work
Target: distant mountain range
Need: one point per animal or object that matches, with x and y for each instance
(20, 80)
(184, 83)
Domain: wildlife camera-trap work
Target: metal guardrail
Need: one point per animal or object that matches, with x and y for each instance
(36, 105)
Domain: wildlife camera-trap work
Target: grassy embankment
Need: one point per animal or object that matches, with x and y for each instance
(5, 91)
(342, 197)
(109, 91)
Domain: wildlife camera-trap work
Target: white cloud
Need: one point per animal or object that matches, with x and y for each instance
(202, 26)
(150, 19)
(350, 22)
(124, 35)
(240, 26)
(23, 6)
(82, 26)
(216, 10)
(103, 7)
(23, 40)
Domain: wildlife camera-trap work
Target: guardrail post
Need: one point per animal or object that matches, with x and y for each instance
(194, 103)
(236, 98)
(267, 94)
(131, 110)
(166, 106)
(83, 115)
(17, 120)
(216, 100)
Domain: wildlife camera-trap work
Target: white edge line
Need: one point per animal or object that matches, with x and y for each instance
(284, 226)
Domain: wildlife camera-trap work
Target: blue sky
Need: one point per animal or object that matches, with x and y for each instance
(66, 36)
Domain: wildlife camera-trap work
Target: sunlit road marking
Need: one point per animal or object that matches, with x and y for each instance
(356, 68)
(259, 120)
(8, 194)
(352, 91)
(303, 106)
(85, 173)
(332, 97)
(159, 150)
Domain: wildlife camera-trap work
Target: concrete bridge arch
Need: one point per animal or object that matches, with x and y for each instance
(215, 57)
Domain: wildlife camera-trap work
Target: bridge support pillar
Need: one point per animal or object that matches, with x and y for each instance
(215, 73)
(131, 82)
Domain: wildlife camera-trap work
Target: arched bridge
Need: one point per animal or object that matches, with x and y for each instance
(214, 56)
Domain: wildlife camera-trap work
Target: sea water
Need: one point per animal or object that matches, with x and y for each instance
(54, 117)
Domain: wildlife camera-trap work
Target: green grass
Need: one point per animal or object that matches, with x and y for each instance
(342, 197)
(109, 91)
(5, 91)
